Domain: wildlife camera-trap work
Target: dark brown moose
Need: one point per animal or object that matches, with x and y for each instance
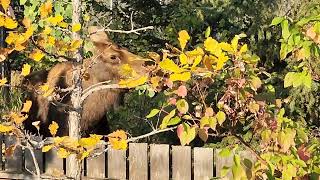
(103, 66)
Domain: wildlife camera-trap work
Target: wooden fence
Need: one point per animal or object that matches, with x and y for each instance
(140, 162)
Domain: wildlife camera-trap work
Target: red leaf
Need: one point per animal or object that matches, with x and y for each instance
(182, 91)
(303, 153)
(180, 130)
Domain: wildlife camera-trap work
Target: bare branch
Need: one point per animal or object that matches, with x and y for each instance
(98, 88)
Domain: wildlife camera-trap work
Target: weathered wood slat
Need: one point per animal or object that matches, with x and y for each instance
(96, 167)
(181, 162)
(221, 162)
(203, 163)
(138, 161)
(29, 162)
(13, 162)
(159, 162)
(116, 164)
(53, 164)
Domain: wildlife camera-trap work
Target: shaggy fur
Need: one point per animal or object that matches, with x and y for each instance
(103, 66)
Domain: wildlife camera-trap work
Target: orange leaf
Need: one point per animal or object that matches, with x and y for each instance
(26, 106)
(45, 9)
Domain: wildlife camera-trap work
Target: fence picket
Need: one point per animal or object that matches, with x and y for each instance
(53, 164)
(159, 162)
(29, 160)
(181, 170)
(14, 161)
(96, 167)
(116, 164)
(203, 163)
(138, 161)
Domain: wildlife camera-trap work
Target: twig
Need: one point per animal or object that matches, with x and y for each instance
(98, 88)
(250, 149)
(136, 31)
(36, 165)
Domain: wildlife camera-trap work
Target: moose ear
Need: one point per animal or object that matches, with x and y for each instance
(98, 36)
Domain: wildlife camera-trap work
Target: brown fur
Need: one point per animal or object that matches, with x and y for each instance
(103, 66)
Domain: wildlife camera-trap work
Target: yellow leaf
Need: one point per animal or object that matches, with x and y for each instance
(76, 27)
(45, 9)
(28, 33)
(3, 81)
(47, 30)
(47, 148)
(117, 134)
(63, 24)
(26, 106)
(183, 59)
(183, 38)
(222, 59)
(5, 128)
(169, 65)
(244, 48)
(51, 41)
(10, 23)
(185, 76)
(84, 155)
(197, 61)
(5, 4)
(25, 70)
(26, 22)
(11, 38)
(91, 141)
(119, 145)
(196, 52)
(226, 47)
(234, 42)
(18, 118)
(36, 55)
(212, 46)
(63, 153)
(2, 20)
(155, 82)
(55, 20)
(134, 82)
(53, 128)
(75, 45)
(126, 71)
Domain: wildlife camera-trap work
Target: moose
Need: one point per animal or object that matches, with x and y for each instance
(103, 66)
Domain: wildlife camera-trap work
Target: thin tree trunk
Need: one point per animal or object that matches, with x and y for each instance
(4, 67)
(74, 165)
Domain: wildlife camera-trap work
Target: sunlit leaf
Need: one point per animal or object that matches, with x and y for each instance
(5, 128)
(166, 119)
(47, 148)
(76, 27)
(53, 128)
(182, 91)
(5, 4)
(25, 70)
(63, 153)
(183, 38)
(183, 59)
(37, 55)
(221, 117)
(276, 21)
(3, 81)
(10, 23)
(169, 65)
(185, 76)
(26, 106)
(134, 82)
(182, 106)
(45, 9)
(152, 113)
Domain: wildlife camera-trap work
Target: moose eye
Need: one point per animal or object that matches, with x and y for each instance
(113, 57)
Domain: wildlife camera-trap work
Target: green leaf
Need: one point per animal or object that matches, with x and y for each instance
(204, 121)
(182, 106)
(285, 29)
(236, 160)
(289, 172)
(307, 80)
(224, 171)
(317, 27)
(22, 2)
(276, 21)
(284, 51)
(221, 117)
(213, 123)
(225, 152)
(207, 32)
(288, 79)
(302, 135)
(153, 113)
(166, 119)
(174, 121)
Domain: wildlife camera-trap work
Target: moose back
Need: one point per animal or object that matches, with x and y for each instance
(103, 66)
